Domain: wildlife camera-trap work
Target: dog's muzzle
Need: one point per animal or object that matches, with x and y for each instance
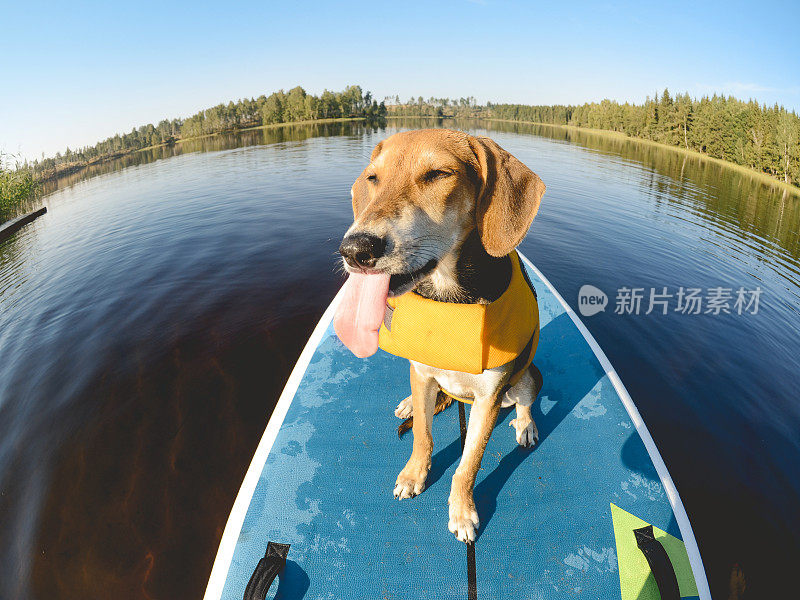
(362, 250)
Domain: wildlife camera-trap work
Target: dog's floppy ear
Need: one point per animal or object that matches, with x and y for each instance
(359, 192)
(508, 197)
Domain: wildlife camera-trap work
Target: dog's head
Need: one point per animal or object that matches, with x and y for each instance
(424, 192)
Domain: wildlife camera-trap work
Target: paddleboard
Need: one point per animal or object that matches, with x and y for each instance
(590, 511)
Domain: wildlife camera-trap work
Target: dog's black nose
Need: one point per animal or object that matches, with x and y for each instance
(362, 249)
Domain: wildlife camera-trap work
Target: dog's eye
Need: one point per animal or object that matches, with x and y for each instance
(373, 178)
(436, 174)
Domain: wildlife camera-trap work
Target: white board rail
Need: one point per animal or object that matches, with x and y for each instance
(681, 517)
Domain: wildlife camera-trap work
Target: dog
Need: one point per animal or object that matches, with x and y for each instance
(437, 217)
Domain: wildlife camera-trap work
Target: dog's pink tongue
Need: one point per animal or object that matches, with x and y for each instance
(360, 314)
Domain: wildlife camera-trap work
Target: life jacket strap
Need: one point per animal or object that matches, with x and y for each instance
(523, 361)
(454, 397)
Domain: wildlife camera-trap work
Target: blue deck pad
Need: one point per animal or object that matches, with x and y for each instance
(327, 486)
(546, 528)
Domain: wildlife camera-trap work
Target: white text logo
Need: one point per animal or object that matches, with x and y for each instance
(591, 300)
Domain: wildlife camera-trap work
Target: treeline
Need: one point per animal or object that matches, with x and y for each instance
(437, 107)
(763, 138)
(283, 107)
(278, 107)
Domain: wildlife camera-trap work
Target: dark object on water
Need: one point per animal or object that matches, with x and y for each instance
(14, 225)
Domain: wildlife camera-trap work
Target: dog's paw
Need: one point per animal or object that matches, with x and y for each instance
(463, 520)
(527, 433)
(410, 482)
(404, 409)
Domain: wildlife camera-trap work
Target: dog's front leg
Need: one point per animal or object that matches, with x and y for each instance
(411, 480)
(463, 516)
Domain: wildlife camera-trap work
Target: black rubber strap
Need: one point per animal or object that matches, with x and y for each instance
(659, 563)
(266, 571)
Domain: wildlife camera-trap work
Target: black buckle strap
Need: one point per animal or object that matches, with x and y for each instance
(659, 562)
(266, 571)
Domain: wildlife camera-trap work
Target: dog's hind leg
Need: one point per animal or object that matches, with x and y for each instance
(405, 409)
(526, 432)
(442, 402)
(522, 396)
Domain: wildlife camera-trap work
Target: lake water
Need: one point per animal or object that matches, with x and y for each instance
(149, 321)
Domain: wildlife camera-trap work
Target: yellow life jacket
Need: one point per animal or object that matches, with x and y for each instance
(466, 337)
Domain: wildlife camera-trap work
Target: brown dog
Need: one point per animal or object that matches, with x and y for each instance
(437, 212)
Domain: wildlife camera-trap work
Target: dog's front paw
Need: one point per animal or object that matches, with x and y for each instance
(404, 409)
(463, 520)
(527, 433)
(410, 482)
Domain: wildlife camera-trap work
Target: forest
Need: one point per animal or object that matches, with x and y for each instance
(279, 107)
(18, 180)
(763, 138)
(759, 137)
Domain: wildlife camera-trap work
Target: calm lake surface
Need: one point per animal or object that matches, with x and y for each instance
(149, 320)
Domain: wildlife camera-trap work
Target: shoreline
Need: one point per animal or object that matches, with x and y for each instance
(691, 153)
(72, 169)
(77, 168)
(758, 175)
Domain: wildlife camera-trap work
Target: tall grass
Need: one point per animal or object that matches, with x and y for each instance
(17, 187)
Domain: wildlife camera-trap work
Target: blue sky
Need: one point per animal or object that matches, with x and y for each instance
(74, 72)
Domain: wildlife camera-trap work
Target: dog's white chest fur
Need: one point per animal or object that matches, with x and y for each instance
(465, 385)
